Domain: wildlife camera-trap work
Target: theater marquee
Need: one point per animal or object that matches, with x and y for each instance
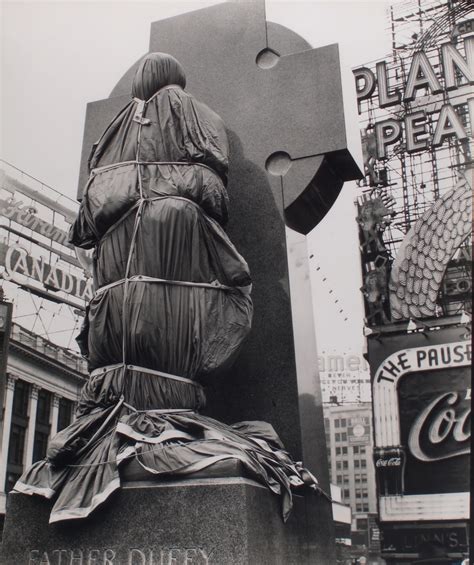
(422, 424)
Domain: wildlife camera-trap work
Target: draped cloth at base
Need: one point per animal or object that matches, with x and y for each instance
(165, 445)
(172, 305)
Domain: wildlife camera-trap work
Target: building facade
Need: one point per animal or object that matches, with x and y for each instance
(42, 381)
(350, 455)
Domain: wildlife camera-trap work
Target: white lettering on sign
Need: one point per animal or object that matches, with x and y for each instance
(424, 358)
(392, 462)
(18, 261)
(396, 366)
(442, 421)
(421, 75)
(453, 69)
(24, 216)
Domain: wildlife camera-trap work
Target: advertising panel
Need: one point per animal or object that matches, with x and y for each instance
(421, 402)
(17, 261)
(408, 539)
(374, 534)
(358, 433)
(433, 75)
(34, 248)
(40, 272)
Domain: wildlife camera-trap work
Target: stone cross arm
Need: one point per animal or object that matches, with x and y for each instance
(282, 99)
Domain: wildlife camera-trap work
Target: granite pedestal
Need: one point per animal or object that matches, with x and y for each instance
(190, 522)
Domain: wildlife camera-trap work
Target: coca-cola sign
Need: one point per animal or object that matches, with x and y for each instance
(422, 424)
(435, 429)
(390, 462)
(443, 428)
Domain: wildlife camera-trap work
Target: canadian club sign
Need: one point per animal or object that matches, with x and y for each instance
(422, 424)
(17, 261)
(26, 216)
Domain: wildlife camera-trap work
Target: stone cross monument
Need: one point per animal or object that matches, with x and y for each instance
(282, 105)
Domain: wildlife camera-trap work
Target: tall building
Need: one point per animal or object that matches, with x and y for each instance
(415, 228)
(350, 455)
(43, 293)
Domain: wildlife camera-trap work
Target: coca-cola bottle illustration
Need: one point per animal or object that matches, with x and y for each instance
(389, 468)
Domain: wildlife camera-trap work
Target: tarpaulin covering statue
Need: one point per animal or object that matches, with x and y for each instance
(172, 304)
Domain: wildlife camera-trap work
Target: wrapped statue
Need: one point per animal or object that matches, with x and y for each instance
(172, 305)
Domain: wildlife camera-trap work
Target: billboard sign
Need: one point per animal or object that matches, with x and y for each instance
(27, 217)
(17, 261)
(421, 391)
(432, 77)
(358, 433)
(408, 539)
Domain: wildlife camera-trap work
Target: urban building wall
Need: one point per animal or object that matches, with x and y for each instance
(42, 386)
(349, 432)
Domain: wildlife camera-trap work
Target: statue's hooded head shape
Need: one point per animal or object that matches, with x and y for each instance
(155, 71)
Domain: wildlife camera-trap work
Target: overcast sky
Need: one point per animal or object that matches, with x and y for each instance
(59, 55)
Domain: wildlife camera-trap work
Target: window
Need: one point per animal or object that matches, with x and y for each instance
(346, 494)
(19, 424)
(345, 465)
(356, 463)
(362, 449)
(344, 436)
(359, 507)
(16, 448)
(362, 523)
(338, 451)
(20, 399)
(43, 427)
(40, 445)
(65, 414)
(338, 465)
(356, 449)
(343, 423)
(344, 450)
(365, 507)
(357, 478)
(339, 479)
(363, 464)
(336, 423)
(43, 410)
(337, 436)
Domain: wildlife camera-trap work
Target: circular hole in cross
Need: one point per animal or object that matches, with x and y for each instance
(267, 58)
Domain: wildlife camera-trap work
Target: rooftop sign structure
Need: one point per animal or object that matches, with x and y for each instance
(417, 111)
(39, 268)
